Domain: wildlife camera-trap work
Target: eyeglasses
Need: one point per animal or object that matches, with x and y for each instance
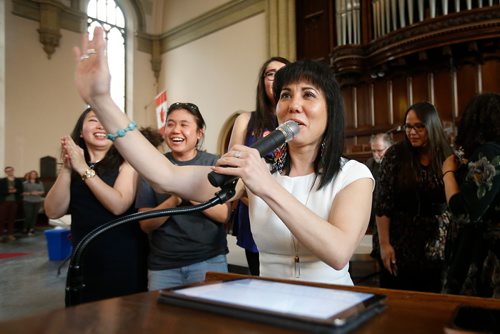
(270, 75)
(418, 127)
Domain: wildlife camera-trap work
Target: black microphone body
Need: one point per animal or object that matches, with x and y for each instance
(283, 133)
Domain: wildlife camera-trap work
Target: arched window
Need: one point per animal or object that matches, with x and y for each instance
(109, 15)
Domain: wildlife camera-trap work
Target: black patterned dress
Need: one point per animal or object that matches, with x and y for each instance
(473, 245)
(413, 208)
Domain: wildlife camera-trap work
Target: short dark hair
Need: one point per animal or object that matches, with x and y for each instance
(192, 109)
(152, 135)
(327, 162)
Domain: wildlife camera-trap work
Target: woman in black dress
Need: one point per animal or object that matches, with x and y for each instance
(472, 188)
(95, 185)
(409, 199)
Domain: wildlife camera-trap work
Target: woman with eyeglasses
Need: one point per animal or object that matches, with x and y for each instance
(248, 128)
(409, 200)
(183, 247)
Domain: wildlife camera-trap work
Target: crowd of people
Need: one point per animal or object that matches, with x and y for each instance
(19, 200)
(433, 206)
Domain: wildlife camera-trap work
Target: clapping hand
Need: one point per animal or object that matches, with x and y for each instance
(73, 155)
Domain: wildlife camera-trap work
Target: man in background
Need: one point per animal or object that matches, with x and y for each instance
(11, 190)
(379, 143)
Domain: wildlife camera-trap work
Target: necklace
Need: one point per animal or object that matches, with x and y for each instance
(92, 164)
(295, 243)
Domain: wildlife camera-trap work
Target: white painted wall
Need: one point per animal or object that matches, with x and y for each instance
(176, 12)
(41, 103)
(218, 72)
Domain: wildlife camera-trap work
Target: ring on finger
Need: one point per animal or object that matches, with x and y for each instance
(84, 57)
(237, 154)
(91, 52)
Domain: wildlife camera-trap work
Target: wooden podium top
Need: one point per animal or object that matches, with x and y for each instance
(406, 312)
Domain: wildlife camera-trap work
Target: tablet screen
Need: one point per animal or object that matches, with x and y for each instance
(283, 298)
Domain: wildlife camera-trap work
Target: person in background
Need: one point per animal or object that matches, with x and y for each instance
(310, 213)
(379, 143)
(248, 128)
(472, 187)
(409, 199)
(33, 190)
(183, 247)
(153, 135)
(11, 189)
(95, 185)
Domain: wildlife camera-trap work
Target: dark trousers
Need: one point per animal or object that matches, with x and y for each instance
(428, 280)
(8, 212)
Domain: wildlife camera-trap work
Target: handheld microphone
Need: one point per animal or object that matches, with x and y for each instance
(282, 134)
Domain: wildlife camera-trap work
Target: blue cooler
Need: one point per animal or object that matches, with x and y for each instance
(58, 244)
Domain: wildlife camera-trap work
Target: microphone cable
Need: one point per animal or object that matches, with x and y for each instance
(75, 282)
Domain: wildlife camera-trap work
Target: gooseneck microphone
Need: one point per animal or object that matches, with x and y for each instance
(282, 134)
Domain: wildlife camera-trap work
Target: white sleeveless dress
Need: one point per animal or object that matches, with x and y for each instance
(278, 248)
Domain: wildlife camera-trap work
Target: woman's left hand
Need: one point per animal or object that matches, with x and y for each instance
(246, 163)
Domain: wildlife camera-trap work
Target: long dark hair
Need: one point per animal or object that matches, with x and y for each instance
(327, 161)
(437, 146)
(479, 123)
(111, 160)
(265, 117)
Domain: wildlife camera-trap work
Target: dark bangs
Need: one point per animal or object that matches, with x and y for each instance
(320, 75)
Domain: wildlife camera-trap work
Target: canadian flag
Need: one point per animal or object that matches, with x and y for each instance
(161, 110)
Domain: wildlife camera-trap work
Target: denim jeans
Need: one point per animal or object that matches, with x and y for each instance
(161, 279)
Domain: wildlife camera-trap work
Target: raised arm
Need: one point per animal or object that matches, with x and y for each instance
(92, 80)
(239, 131)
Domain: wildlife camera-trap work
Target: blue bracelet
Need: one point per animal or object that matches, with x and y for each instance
(121, 133)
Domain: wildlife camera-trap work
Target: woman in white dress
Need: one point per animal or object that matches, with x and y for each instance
(309, 213)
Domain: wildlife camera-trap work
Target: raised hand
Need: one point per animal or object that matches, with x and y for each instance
(92, 77)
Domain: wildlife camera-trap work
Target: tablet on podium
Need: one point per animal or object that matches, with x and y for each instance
(314, 309)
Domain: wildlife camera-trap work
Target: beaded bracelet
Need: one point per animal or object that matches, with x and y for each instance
(121, 133)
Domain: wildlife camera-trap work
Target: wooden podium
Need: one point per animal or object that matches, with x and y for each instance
(406, 312)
